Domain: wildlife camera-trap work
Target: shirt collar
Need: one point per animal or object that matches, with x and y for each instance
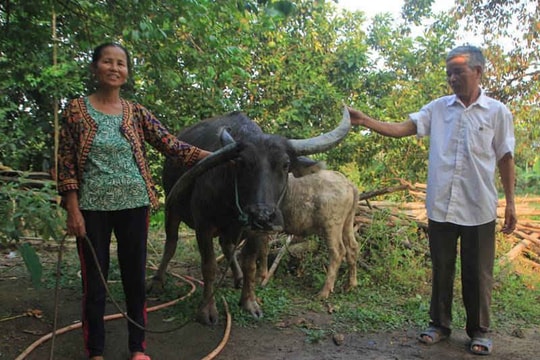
(481, 101)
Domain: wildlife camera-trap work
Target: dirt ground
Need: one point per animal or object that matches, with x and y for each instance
(195, 341)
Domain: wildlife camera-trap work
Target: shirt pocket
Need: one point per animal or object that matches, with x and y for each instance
(481, 137)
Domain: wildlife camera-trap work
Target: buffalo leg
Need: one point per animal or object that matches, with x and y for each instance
(229, 251)
(208, 313)
(172, 222)
(336, 251)
(351, 252)
(250, 255)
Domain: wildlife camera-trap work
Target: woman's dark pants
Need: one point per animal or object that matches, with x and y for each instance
(130, 228)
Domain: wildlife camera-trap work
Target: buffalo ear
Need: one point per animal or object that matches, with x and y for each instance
(304, 166)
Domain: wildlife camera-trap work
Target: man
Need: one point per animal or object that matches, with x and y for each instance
(470, 135)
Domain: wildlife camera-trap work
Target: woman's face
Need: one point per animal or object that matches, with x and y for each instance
(111, 69)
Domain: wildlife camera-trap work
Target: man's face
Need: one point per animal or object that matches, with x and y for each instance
(463, 80)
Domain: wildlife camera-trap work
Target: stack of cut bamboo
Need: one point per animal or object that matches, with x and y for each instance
(525, 239)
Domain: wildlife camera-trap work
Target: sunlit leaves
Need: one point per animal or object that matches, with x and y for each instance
(289, 64)
(415, 10)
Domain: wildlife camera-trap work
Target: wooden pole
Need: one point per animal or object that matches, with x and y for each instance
(56, 137)
(55, 100)
(277, 260)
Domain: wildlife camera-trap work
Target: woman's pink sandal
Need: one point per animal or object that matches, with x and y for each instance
(140, 357)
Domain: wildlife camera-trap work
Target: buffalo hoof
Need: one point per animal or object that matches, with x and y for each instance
(155, 286)
(324, 293)
(351, 285)
(252, 307)
(208, 314)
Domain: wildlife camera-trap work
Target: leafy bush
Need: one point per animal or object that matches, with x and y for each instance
(529, 179)
(29, 212)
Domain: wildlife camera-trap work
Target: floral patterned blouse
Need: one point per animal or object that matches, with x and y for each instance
(111, 180)
(138, 126)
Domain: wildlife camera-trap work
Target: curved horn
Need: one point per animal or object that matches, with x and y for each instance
(325, 141)
(225, 137)
(218, 157)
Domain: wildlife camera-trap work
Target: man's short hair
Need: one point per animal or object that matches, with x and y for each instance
(474, 55)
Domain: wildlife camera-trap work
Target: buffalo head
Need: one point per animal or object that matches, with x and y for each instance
(248, 169)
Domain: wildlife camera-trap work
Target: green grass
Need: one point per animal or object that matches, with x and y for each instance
(393, 292)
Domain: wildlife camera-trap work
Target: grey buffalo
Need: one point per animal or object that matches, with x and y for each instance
(235, 199)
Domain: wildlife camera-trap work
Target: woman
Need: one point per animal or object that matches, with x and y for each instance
(104, 179)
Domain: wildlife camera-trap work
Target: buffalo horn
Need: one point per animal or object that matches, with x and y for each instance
(325, 141)
(226, 153)
(225, 137)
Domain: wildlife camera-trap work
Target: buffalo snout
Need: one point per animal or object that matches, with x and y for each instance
(262, 217)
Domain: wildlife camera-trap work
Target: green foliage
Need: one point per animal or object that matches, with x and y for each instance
(157, 219)
(314, 336)
(352, 172)
(25, 212)
(529, 178)
(399, 248)
(513, 297)
(290, 65)
(29, 211)
(69, 269)
(367, 318)
(32, 262)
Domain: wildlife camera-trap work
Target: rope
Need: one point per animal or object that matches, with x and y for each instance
(188, 279)
(125, 315)
(78, 324)
(52, 335)
(243, 218)
(226, 334)
(56, 295)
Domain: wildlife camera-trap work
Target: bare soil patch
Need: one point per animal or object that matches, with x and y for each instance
(262, 341)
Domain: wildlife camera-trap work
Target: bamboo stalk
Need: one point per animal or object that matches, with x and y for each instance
(530, 237)
(276, 261)
(526, 241)
(514, 252)
(370, 194)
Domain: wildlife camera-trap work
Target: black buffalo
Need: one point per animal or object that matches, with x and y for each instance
(236, 199)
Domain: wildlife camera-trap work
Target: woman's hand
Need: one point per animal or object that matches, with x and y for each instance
(75, 223)
(75, 220)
